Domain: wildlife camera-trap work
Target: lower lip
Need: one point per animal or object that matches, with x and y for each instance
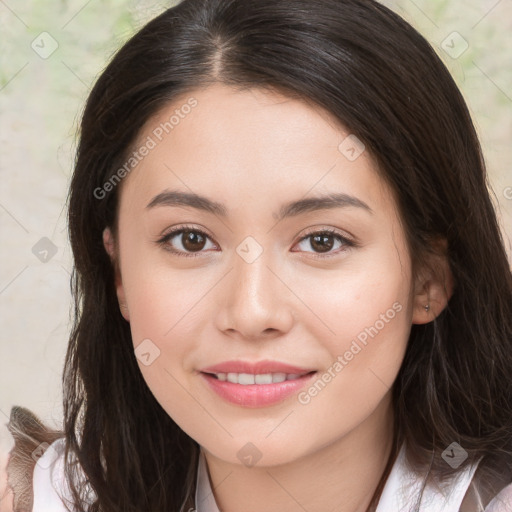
(256, 395)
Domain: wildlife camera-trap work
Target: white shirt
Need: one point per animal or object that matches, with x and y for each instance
(399, 494)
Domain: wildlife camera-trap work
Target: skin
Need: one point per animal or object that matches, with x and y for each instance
(253, 151)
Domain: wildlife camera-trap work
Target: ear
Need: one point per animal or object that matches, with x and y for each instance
(110, 246)
(433, 286)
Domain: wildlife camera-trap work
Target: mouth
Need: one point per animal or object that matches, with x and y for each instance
(263, 367)
(248, 379)
(255, 384)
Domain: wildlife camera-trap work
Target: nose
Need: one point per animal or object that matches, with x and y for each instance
(254, 302)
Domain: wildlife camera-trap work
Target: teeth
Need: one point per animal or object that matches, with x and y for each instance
(245, 378)
(263, 378)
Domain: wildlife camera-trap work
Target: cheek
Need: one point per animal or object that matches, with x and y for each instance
(367, 296)
(365, 312)
(365, 357)
(161, 299)
(164, 320)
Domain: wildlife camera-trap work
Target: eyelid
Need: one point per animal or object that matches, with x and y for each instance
(184, 227)
(332, 231)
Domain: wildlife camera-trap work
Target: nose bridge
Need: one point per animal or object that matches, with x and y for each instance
(252, 279)
(254, 289)
(255, 302)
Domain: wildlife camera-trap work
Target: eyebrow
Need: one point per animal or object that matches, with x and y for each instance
(291, 209)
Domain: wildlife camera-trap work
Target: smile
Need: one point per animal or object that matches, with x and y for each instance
(260, 378)
(255, 384)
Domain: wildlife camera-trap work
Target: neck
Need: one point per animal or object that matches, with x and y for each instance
(342, 476)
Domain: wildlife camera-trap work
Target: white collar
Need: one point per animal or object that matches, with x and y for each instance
(204, 499)
(400, 492)
(403, 488)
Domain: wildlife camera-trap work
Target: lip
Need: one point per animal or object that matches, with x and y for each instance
(256, 395)
(256, 368)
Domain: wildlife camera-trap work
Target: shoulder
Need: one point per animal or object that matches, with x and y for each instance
(34, 443)
(490, 489)
(409, 487)
(502, 502)
(49, 483)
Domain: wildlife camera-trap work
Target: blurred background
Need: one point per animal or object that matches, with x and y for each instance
(52, 51)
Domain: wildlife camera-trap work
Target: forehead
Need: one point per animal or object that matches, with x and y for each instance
(249, 147)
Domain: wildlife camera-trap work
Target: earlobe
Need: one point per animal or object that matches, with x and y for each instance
(110, 247)
(108, 243)
(433, 287)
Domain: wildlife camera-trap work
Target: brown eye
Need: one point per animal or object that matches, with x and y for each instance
(185, 241)
(192, 240)
(323, 242)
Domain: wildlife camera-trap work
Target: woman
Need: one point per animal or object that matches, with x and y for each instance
(291, 289)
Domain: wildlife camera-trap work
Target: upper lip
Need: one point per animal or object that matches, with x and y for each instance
(256, 368)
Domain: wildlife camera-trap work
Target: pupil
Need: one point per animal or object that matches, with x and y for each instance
(193, 241)
(322, 246)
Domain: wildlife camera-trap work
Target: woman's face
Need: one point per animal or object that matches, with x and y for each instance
(253, 171)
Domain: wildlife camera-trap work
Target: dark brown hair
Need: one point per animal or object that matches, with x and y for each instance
(385, 83)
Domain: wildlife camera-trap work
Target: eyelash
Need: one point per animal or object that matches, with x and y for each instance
(163, 241)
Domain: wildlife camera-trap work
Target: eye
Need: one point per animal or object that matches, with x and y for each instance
(183, 239)
(189, 242)
(324, 241)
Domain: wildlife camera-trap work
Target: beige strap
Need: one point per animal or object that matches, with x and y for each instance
(31, 438)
